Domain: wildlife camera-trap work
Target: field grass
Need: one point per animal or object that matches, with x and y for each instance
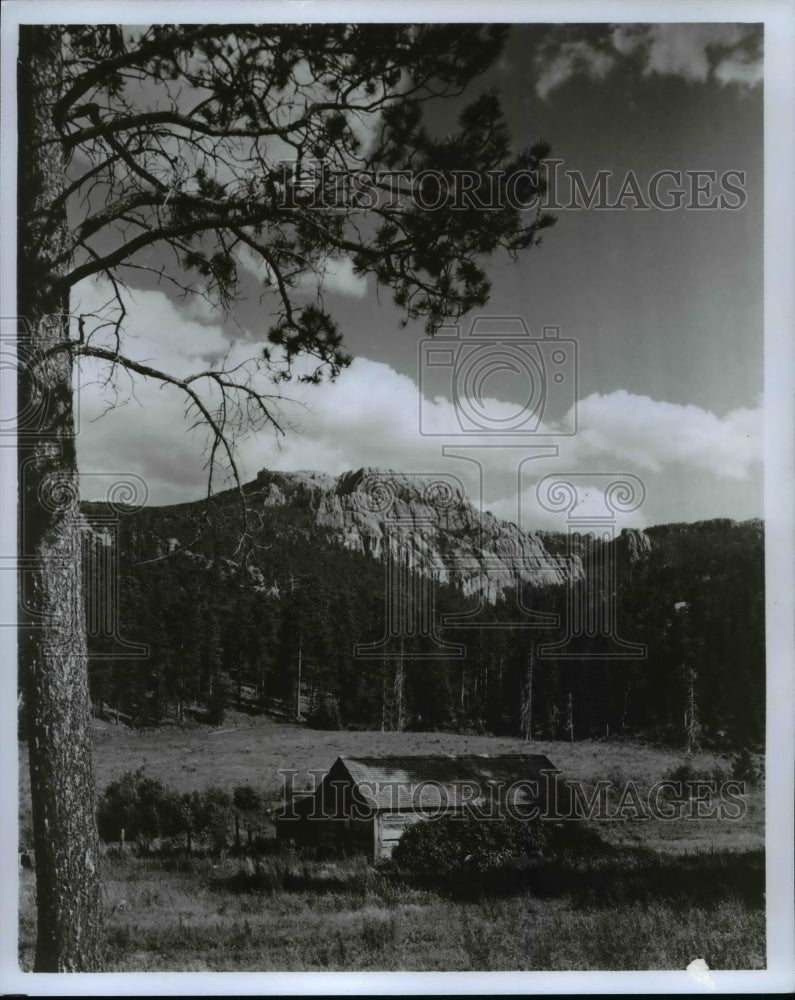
(247, 749)
(195, 915)
(693, 890)
(252, 750)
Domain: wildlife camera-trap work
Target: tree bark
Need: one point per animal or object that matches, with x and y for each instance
(53, 654)
(526, 704)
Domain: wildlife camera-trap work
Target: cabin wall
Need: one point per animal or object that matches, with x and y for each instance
(363, 836)
(348, 835)
(376, 836)
(389, 828)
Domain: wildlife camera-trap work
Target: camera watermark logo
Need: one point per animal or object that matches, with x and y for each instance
(543, 370)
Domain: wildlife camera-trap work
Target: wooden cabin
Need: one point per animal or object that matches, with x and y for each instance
(364, 804)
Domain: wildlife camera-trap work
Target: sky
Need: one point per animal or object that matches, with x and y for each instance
(663, 309)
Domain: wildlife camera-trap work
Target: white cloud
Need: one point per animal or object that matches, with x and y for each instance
(337, 276)
(155, 329)
(695, 52)
(201, 307)
(627, 37)
(253, 264)
(676, 50)
(740, 69)
(306, 89)
(693, 462)
(571, 59)
(589, 508)
(682, 49)
(371, 417)
(653, 434)
(131, 423)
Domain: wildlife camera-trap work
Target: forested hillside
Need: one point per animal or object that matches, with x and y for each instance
(221, 634)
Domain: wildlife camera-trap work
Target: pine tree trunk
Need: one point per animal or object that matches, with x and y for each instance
(383, 697)
(526, 707)
(298, 685)
(400, 682)
(692, 726)
(53, 655)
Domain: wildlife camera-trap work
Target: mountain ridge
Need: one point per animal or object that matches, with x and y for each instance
(333, 611)
(426, 522)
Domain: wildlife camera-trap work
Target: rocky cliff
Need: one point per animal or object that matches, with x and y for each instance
(424, 522)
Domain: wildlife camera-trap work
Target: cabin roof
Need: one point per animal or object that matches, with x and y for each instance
(434, 781)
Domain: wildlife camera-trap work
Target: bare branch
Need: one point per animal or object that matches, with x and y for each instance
(136, 57)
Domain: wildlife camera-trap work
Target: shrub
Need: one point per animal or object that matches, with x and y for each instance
(213, 815)
(468, 843)
(687, 771)
(143, 807)
(574, 837)
(744, 767)
(247, 798)
(147, 810)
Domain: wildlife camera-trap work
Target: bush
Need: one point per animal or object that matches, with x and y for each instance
(688, 772)
(212, 815)
(744, 767)
(574, 837)
(247, 798)
(148, 810)
(468, 843)
(143, 807)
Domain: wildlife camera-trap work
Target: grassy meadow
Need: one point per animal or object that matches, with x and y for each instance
(664, 893)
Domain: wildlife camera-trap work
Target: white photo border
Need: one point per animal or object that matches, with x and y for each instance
(778, 17)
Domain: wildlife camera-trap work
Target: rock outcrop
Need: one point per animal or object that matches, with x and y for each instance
(634, 544)
(425, 522)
